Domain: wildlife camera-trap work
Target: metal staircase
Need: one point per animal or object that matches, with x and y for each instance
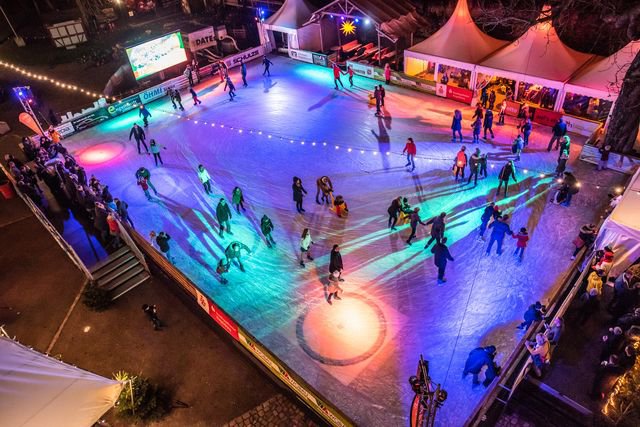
(120, 272)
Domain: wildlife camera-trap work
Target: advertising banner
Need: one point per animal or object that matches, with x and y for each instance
(546, 117)
(320, 59)
(218, 315)
(153, 93)
(459, 94)
(91, 119)
(581, 126)
(65, 129)
(123, 105)
(513, 108)
(247, 55)
(361, 69)
(201, 39)
(441, 90)
(301, 55)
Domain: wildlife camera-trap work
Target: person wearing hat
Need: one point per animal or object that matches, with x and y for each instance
(479, 358)
(534, 313)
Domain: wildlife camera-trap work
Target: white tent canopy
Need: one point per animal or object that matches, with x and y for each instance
(598, 79)
(459, 43)
(538, 56)
(290, 17)
(621, 231)
(37, 390)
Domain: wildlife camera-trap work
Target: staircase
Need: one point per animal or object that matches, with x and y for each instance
(119, 273)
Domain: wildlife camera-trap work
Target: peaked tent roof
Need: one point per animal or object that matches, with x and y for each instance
(539, 55)
(291, 16)
(598, 79)
(459, 40)
(37, 390)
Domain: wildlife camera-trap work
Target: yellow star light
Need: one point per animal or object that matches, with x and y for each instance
(348, 28)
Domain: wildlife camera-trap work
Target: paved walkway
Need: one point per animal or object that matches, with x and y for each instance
(275, 412)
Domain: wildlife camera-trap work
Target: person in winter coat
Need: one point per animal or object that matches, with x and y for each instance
(483, 166)
(334, 287)
(335, 262)
(503, 111)
(223, 215)
(474, 167)
(233, 251)
(155, 150)
(350, 73)
(478, 359)
(488, 213)
(145, 114)
(534, 313)
(437, 229)
(460, 163)
(205, 179)
(539, 352)
(267, 64)
(572, 187)
(558, 131)
(517, 147)
(139, 136)
(143, 183)
(478, 113)
(527, 128)
(414, 221)
(243, 72)
(267, 228)
(562, 163)
(336, 75)
(586, 237)
(232, 88)
(174, 94)
(377, 95)
(324, 187)
(122, 208)
(500, 230)
(222, 268)
(237, 199)
(594, 281)
(523, 239)
(507, 172)
(484, 97)
(340, 206)
(383, 93)
(114, 230)
(487, 124)
(440, 257)
(194, 96)
(393, 212)
(298, 193)
(456, 125)
(477, 127)
(162, 240)
(604, 157)
(492, 99)
(305, 246)
(565, 144)
(143, 172)
(410, 150)
(387, 73)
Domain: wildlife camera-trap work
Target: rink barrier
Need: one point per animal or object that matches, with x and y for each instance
(307, 394)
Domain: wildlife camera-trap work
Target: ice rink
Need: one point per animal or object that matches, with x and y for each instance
(360, 351)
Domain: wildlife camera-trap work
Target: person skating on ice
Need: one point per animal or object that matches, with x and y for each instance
(267, 64)
(222, 268)
(483, 166)
(223, 215)
(335, 262)
(138, 134)
(460, 163)
(175, 97)
(205, 179)
(243, 72)
(478, 113)
(517, 147)
(487, 123)
(507, 172)
(378, 97)
(441, 255)
(145, 114)
(503, 111)
(305, 246)
(162, 240)
(155, 150)
(266, 226)
(414, 220)
(340, 205)
(474, 167)
(383, 93)
(232, 88)
(324, 187)
(336, 75)
(334, 287)
(411, 150)
(437, 228)
(476, 127)
(350, 72)
(298, 193)
(394, 211)
(521, 245)
(237, 199)
(234, 252)
(194, 96)
(491, 211)
(500, 228)
(143, 172)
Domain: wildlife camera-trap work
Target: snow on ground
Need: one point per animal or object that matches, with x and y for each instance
(360, 351)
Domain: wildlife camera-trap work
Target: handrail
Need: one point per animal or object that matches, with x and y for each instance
(66, 247)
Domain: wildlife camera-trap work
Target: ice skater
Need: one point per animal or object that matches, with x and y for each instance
(487, 124)
(336, 75)
(162, 240)
(266, 226)
(383, 93)
(138, 134)
(324, 187)
(517, 147)
(237, 198)
(501, 114)
(222, 268)
(393, 211)
(478, 113)
(479, 358)
(243, 72)
(143, 172)
(145, 114)
(194, 96)
(333, 287)
(507, 172)
(441, 255)
(413, 222)
(491, 211)
(527, 128)
(474, 167)
(387, 73)
(122, 208)
(559, 130)
(437, 228)
(562, 163)
(305, 246)
(476, 126)
(234, 252)
(223, 215)
(232, 88)
(205, 179)
(298, 193)
(460, 163)
(483, 166)
(335, 262)
(521, 245)
(155, 150)
(175, 97)
(378, 97)
(350, 72)
(142, 182)
(340, 206)
(410, 150)
(500, 228)
(267, 64)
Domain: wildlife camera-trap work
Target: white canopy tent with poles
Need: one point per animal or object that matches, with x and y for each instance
(37, 390)
(289, 20)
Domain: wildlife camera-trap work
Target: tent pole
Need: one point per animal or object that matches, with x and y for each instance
(435, 71)
(559, 99)
(321, 37)
(379, 58)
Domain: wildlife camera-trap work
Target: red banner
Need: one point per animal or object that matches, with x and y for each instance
(513, 108)
(546, 117)
(459, 94)
(223, 320)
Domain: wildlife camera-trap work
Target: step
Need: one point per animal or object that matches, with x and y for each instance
(116, 272)
(136, 280)
(113, 265)
(117, 254)
(111, 285)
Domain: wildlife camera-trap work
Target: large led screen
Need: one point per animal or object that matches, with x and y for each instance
(156, 55)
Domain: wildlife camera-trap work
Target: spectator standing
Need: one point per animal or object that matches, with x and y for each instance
(558, 131)
(122, 208)
(163, 243)
(604, 157)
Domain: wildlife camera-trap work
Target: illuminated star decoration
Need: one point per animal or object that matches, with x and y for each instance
(348, 28)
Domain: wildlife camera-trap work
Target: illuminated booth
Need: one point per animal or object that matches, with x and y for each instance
(538, 63)
(448, 57)
(285, 29)
(367, 31)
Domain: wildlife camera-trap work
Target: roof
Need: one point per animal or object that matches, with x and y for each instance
(537, 56)
(395, 19)
(602, 77)
(291, 16)
(460, 40)
(38, 390)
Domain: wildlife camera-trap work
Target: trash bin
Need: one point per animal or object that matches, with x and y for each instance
(7, 191)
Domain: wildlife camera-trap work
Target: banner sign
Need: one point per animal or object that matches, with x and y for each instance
(581, 126)
(92, 119)
(201, 39)
(65, 129)
(441, 90)
(513, 108)
(153, 93)
(459, 94)
(320, 59)
(218, 315)
(617, 162)
(123, 105)
(301, 55)
(546, 117)
(361, 69)
(247, 55)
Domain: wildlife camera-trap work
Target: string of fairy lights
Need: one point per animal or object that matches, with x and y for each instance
(359, 150)
(52, 81)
